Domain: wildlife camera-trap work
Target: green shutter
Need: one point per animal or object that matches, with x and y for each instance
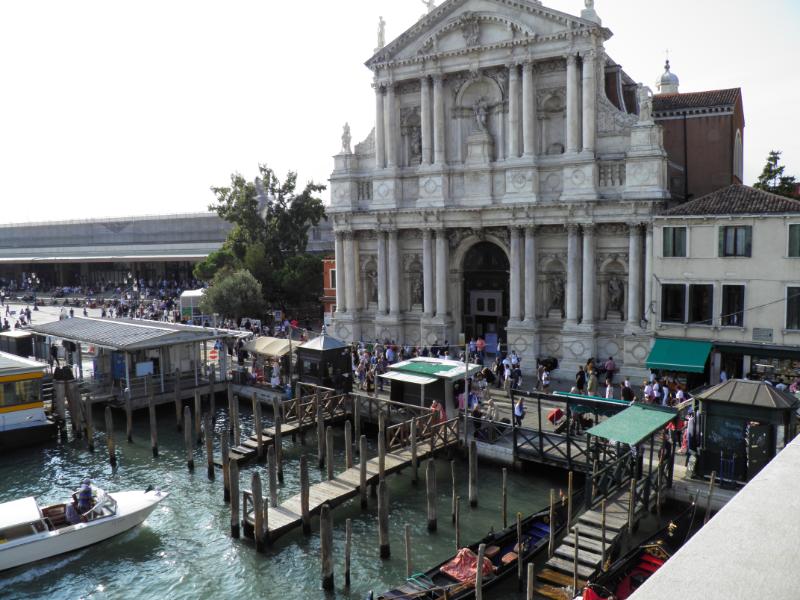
(722, 241)
(748, 241)
(668, 249)
(794, 241)
(680, 241)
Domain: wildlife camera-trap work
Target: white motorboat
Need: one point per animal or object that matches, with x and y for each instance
(29, 532)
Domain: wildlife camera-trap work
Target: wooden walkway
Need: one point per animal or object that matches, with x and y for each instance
(289, 514)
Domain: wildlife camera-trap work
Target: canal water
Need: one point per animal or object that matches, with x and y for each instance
(184, 549)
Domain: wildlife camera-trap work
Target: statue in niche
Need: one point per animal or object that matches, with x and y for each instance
(614, 294)
(645, 95)
(372, 282)
(416, 288)
(481, 109)
(346, 139)
(381, 33)
(556, 292)
(416, 143)
(471, 30)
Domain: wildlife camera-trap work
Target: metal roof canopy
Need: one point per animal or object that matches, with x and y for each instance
(11, 364)
(634, 424)
(322, 343)
(749, 393)
(408, 378)
(19, 512)
(435, 367)
(685, 356)
(130, 334)
(269, 346)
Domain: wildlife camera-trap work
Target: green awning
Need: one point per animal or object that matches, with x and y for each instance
(634, 424)
(684, 356)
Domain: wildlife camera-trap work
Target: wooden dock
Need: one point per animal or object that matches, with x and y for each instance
(333, 492)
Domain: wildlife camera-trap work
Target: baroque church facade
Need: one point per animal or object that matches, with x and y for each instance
(507, 189)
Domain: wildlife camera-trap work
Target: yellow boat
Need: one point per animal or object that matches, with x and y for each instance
(23, 421)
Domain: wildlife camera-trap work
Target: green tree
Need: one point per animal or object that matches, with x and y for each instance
(773, 180)
(234, 295)
(301, 278)
(215, 263)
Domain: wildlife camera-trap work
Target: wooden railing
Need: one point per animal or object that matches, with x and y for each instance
(491, 432)
(369, 407)
(399, 435)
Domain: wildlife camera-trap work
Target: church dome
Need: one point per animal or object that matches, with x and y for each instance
(668, 82)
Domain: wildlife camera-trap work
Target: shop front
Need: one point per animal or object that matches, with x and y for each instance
(684, 361)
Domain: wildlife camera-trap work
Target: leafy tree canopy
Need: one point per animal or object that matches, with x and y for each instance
(773, 180)
(233, 295)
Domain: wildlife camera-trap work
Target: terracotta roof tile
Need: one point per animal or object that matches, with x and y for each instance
(709, 99)
(736, 199)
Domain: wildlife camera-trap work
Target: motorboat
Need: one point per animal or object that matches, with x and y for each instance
(29, 532)
(23, 421)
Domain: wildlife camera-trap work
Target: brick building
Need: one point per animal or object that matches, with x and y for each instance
(328, 298)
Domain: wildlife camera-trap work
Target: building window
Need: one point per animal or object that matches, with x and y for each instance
(333, 279)
(673, 303)
(732, 306)
(674, 242)
(735, 240)
(793, 308)
(794, 241)
(316, 235)
(701, 304)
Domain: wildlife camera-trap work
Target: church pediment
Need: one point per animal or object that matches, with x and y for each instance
(459, 25)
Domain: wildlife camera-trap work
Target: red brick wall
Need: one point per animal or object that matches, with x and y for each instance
(328, 284)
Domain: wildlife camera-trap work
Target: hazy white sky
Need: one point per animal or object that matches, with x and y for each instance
(115, 108)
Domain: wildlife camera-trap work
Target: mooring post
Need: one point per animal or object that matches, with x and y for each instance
(519, 550)
(151, 408)
(381, 454)
(348, 549)
(457, 522)
(414, 457)
(304, 495)
(198, 417)
(551, 547)
(362, 470)
(473, 474)
(710, 494)
(112, 455)
(407, 538)
(575, 562)
(430, 484)
(383, 519)
(357, 417)
(479, 573)
(278, 414)
(273, 477)
(569, 499)
(326, 546)
(320, 437)
(212, 392)
(505, 498)
(178, 416)
(59, 396)
(603, 535)
(258, 511)
(258, 428)
(453, 496)
(187, 437)
(529, 593)
(348, 445)
(234, 483)
(128, 416)
(87, 420)
(209, 437)
(329, 452)
(226, 465)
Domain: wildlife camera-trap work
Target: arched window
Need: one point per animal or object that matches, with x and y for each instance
(738, 157)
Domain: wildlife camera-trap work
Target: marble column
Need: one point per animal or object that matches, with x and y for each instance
(531, 275)
(393, 259)
(350, 272)
(573, 273)
(635, 275)
(528, 110)
(573, 119)
(380, 144)
(341, 295)
(648, 274)
(515, 279)
(589, 95)
(425, 119)
(589, 274)
(442, 269)
(513, 111)
(389, 108)
(438, 120)
(382, 266)
(427, 273)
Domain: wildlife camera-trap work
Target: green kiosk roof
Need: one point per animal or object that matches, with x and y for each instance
(685, 356)
(634, 424)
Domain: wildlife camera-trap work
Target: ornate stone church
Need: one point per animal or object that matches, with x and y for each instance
(506, 190)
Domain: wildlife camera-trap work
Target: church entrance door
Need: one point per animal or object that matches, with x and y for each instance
(486, 297)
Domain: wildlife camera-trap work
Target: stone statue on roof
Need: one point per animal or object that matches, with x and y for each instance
(381, 33)
(346, 139)
(589, 4)
(431, 4)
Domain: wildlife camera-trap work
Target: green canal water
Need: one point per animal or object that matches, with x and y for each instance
(184, 549)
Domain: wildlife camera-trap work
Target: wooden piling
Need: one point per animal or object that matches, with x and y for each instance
(226, 464)
(348, 445)
(178, 416)
(273, 477)
(151, 407)
(112, 455)
(473, 474)
(235, 502)
(414, 457)
(457, 523)
(209, 437)
(362, 470)
(233, 407)
(304, 495)
(258, 427)
(381, 454)
(326, 546)
(198, 417)
(531, 580)
(258, 512)
(212, 393)
(505, 498)
(710, 494)
(479, 573)
(453, 485)
(383, 519)
(320, 437)
(551, 546)
(348, 549)
(631, 504)
(575, 562)
(519, 550)
(187, 437)
(658, 491)
(356, 418)
(86, 407)
(128, 416)
(329, 452)
(278, 443)
(59, 397)
(569, 499)
(407, 538)
(430, 484)
(603, 535)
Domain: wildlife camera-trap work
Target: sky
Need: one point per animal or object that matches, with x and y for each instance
(119, 108)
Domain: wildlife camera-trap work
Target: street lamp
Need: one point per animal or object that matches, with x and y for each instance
(133, 282)
(33, 282)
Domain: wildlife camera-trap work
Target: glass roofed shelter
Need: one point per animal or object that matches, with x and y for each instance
(421, 380)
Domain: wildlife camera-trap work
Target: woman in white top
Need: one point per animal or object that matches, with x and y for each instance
(546, 380)
(609, 389)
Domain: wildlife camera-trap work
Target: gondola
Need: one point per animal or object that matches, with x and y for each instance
(457, 574)
(629, 572)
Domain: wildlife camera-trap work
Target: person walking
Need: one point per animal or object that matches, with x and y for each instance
(580, 380)
(591, 386)
(609, 389)
(519, 412)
